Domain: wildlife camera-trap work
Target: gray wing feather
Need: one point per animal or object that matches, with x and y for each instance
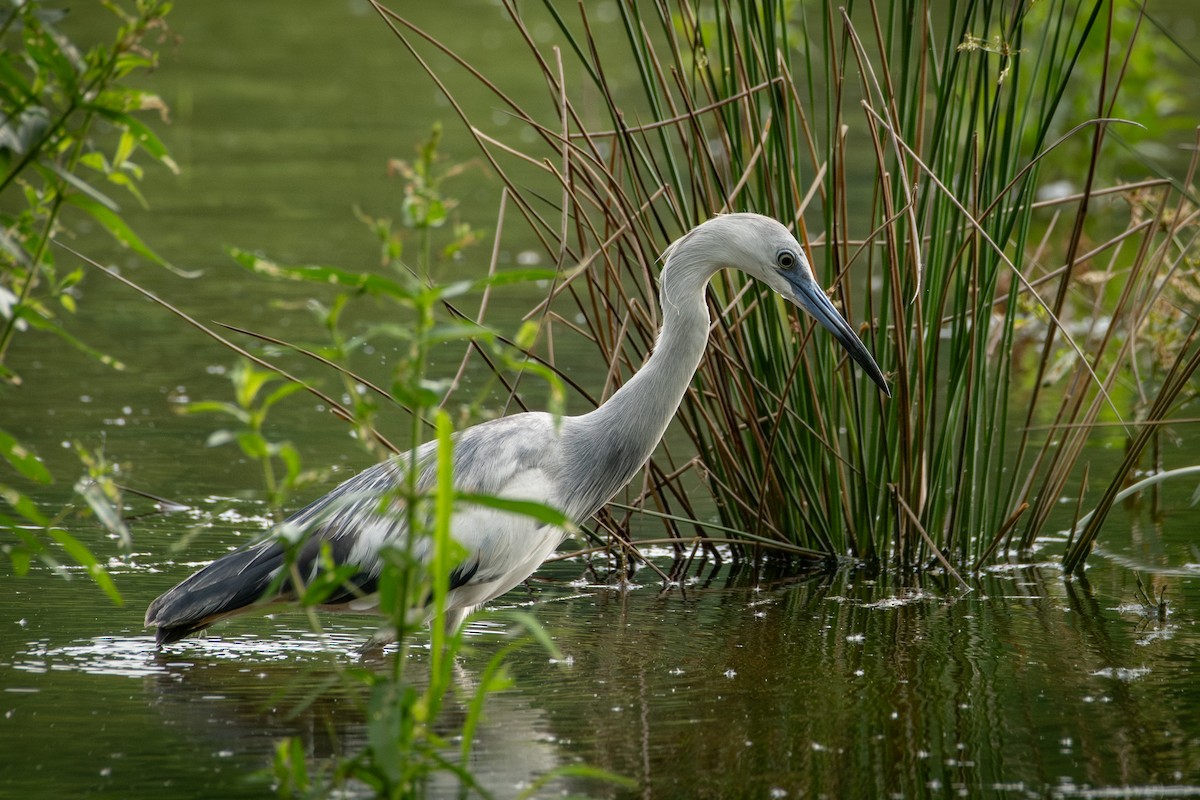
(362, 516)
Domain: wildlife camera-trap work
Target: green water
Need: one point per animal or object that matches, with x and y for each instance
(1028, 687)
(843, 686)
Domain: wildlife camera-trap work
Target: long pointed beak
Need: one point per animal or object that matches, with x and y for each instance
(808, 295)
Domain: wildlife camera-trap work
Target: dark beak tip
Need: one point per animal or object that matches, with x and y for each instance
(810, 297)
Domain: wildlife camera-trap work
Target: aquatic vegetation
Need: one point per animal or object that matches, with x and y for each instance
(250, 411)
(907, 147)
(408, 741)
(72, 131)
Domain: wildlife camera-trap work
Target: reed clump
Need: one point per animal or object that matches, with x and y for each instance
(949, 169)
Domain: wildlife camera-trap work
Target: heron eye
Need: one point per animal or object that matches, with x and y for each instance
(786, 259)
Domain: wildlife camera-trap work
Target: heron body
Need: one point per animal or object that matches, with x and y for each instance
(575, 464)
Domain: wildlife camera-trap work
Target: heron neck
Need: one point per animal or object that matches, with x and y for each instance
(617, 438)
(648, 401)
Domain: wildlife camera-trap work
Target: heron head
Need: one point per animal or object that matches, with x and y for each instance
(764, 248)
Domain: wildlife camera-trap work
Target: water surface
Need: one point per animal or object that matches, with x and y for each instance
(834, 686)
(731, 686)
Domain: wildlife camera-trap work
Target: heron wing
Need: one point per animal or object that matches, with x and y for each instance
(513, 457)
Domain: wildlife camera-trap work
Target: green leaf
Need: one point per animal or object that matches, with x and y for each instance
(95, 160)
(537, 631)
(449, 291)
(248, 381)
(145, 137)
(510, 276)
(70, 279)
(40, 322)
(220, 437)
(23, 460)
(103, 498)
(21, 558)
(74, 181)
(253, 445)
(128, 61)
(435, 214)
(290, 768)
(459, 331)
(84, 558)
(388, 329)
(527, 334)
(414, 396)
(31, 133)
(30, 545)
(274, 397)
(361, 281)
(15, 84)
(290, 457)
(124, 180)
(529, 508)
(44, 50)
(113, 223)
(107, 509)
(388, 715)
(216, 407)
(125, 145)
(23, 505)
(328, 580)
(9, 244)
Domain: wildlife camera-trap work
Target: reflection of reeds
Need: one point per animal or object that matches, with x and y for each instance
(865, 685)
(914, 147)
(1155, 607)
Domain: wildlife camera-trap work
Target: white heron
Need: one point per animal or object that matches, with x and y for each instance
(575, 464)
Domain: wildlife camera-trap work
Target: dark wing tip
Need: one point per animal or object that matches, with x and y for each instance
(170, 634)
(227, 586)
